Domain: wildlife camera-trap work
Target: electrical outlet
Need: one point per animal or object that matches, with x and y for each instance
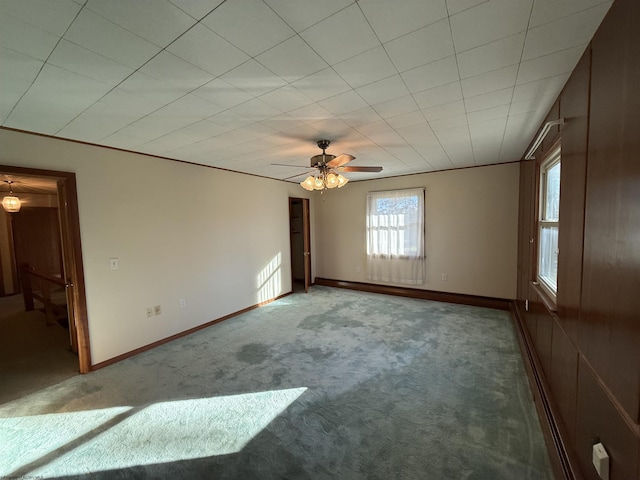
(156, 310)
(444, 277)
(183, 302)
(358, 269)
(149, 312)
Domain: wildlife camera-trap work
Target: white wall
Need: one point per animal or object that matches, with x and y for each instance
(218, 239)
(471, 229)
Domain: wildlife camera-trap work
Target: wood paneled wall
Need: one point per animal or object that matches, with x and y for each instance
(589, 347)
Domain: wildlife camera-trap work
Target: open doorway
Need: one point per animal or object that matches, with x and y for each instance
(42, 282)
(299, 229)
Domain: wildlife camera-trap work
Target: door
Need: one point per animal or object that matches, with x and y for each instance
(69, 241)
(300, 243)
(307, 244)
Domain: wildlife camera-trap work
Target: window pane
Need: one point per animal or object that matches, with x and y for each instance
(548, 261)
(396, 220)
(552, 195)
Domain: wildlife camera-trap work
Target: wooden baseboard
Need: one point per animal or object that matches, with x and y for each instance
(474, 300)
(132, 353)
(563, 462)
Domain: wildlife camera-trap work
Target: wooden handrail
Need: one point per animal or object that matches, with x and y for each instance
(44, 281)
(32, 271)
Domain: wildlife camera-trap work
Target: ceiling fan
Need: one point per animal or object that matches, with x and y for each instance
(328, 169)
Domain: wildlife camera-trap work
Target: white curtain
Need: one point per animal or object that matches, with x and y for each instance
(395, 236)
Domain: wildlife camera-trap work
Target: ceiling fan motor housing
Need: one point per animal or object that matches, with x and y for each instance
(320, 160)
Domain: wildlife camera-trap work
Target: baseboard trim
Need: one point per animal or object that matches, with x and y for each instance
(150, 346)
(564, 464)
(474, 300)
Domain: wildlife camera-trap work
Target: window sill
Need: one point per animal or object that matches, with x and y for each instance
(548, 302)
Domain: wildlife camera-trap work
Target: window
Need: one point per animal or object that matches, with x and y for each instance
(548, 222)
(395, 236)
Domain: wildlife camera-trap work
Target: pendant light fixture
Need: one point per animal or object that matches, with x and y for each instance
(11, 203)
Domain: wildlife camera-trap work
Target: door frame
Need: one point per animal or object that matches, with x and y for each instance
(72, 255)
(306, 248)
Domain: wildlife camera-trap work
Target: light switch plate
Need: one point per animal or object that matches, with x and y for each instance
(601, 461)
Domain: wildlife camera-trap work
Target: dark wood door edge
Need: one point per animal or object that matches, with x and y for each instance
(562, 458)
(477, 301)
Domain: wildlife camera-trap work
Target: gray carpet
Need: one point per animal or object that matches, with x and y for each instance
(335, 384)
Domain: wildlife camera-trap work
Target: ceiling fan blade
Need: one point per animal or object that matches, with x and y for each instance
(298, 175)
(288, 165)
(360, 169)
(340, 160)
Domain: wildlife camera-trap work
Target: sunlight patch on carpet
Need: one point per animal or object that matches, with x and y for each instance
(159, 433)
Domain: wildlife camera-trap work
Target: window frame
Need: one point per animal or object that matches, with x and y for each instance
(553, 158)
(420, 248)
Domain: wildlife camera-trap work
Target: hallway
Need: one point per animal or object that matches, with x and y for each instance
(33, 355)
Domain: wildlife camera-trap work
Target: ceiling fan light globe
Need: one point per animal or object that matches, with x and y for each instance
(342, 180)
(307, 184)
(11, 204)
(332, 180)
(318, 183)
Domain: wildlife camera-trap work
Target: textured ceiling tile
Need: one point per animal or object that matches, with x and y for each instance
(321, 85)
(448, 123)
(253, 78)
(477, 26)
(492, 56)
(158, 21)
(487, 114)
(19, 66)
(197, 8)
(286, 99)
(25, 38)
(440, 72)
(365, 68)
(301, 14)
(457, 6)
(540, 88)
(421, 47)
(439, 95)
(383, 90)
(545, 11)
(42, 111)
(220, 55)
(490, 81)
(104, 37)
(393, 19)
(343, 103)
(333, 38)
(292, 60)
(445, 110)
(175, 71)
(76, 59)
(222, 93)
(564, 33)
(53, 17)
(250, 25)
(406, 120)
(397, 106)
(489, 100)
(550, 65)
